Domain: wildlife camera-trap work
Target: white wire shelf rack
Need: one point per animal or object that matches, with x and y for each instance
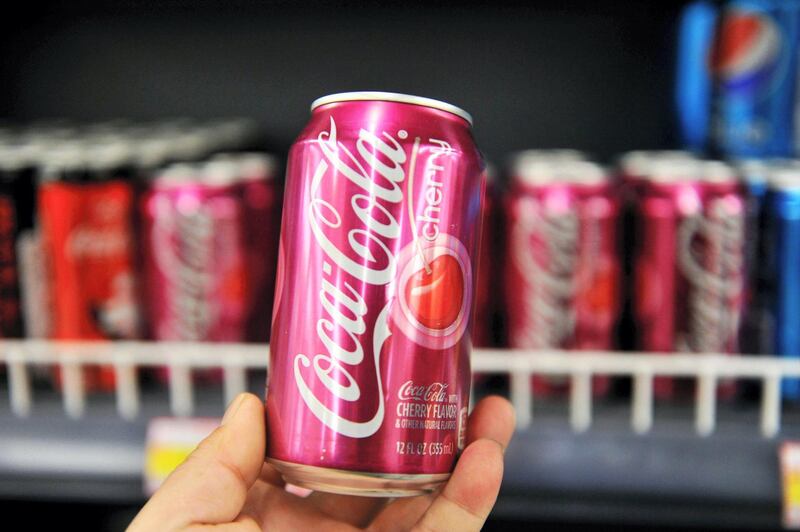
(21, 357)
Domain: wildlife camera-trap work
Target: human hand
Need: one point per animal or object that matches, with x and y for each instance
(226, 485)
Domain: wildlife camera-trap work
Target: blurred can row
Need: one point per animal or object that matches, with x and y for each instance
(165, 231)
(664, 253)
(169, 231)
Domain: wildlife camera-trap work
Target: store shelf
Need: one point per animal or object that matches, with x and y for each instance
(576, 458)
(669, 477)
(606, 474)
(97, 458)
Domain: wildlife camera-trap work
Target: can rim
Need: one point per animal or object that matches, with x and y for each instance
(784, 178)
(392, 97)
(713, 171)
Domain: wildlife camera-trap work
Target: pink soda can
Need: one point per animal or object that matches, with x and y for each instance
(194, 257)
(633, 169)
(562, 268)
(716, 259)
(261, 195)
(369, 376)
(689, 262)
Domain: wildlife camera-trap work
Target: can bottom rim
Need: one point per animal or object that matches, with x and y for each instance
(361, 483)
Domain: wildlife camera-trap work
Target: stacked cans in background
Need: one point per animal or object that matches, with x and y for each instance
(737, 89)
(77, 240)
(169, 231)
(209, 234)
(85, 205)
(563, 265)
(688, 258)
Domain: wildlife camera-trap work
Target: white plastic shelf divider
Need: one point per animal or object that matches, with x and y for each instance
(236, 359)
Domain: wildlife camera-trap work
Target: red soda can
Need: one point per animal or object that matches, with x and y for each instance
(689, 262)
(261, 195)
(562, 270)
(369, 375)
(193, 256)
(85, 209)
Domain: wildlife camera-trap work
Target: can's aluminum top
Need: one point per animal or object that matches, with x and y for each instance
(189, 145)
(62, 158)
(558, 154)
(220, 172)
(753, 171)
(392, 97)
(252, 166)
(534, 172)
(673, 170)
(107, 155)
(17, 156)
(782, 162)
(581, 172)
(784, 177)
(716, 172)
(176, 175)
(151, 152)
(638, 162)
(229, 133)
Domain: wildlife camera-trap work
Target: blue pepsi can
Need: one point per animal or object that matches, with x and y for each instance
(693, 77)
(754, 64)
(756, 330)
(783, 232)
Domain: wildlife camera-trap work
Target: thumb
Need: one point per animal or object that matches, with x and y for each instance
(211, 486)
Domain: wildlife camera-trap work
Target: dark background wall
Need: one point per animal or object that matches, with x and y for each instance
(593, 75)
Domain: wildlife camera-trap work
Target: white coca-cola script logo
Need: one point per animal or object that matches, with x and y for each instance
(183, 247)
(548, 268)
(711, 251)
(106, 237)
(377, 170)
(434, 392)
(85, 241)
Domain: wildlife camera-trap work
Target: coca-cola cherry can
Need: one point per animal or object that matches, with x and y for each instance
(193, 256)
(717, 259)
(563, 268)
(689, 262)
(369, 374)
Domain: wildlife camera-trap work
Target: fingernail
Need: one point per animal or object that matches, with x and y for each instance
(234, 407)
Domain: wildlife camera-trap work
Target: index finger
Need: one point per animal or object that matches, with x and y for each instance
(211, 485)
(493, 418)
(469, 495)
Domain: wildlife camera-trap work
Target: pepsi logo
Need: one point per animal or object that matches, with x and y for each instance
(748, 50)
